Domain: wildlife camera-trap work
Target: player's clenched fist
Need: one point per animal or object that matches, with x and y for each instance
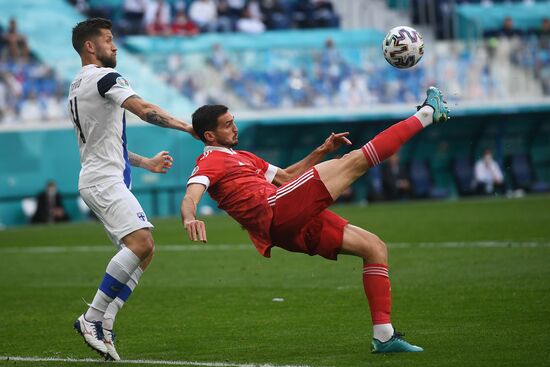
(196, 230)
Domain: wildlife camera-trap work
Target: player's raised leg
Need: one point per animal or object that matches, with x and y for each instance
(339, 174)
(376, 283)
(139, 246)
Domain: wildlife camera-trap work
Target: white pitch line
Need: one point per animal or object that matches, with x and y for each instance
(101, 248)
(147, 362)
(243, 246)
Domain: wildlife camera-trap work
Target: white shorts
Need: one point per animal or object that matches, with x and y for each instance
(117, 208)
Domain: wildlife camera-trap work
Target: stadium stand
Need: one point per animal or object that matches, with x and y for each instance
(288, 86)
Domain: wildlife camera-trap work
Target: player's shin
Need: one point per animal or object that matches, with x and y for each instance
(122, 297)
(388, 142)
(118, 272)
(376, 283)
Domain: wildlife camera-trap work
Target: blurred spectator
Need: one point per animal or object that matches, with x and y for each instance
(218, 59)
(507, 30)
(55, 107)
(274, 14)
(324, 15)
(544, 34)
(395, 181)
(49, 206)
(354, 92)
(250, 24)
(302, 14)
(31, 109)
(226, 20)
(204, 14)
(10, 92)
(15, 42)
(133, 17)
(2, 41)
(158, 17)
(488, 175)
(236, 7)
(254, 9)
(183, 26)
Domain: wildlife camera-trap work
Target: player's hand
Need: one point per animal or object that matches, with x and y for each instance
(160, 163)
(196, 230)
(335, 141)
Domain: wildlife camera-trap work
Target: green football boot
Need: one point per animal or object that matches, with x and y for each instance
(435, 100)
(395, 345)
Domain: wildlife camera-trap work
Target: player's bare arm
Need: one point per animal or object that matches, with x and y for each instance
(160, 163)
(155, 115)
(195, 228)
(332, 143)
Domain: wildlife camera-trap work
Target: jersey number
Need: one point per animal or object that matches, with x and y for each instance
(76, 120)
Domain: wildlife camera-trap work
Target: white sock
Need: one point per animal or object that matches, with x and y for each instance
(425, 115)
(382, 332)
(121, 267)
(116, 305)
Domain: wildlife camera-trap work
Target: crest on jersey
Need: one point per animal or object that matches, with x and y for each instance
(122, 82)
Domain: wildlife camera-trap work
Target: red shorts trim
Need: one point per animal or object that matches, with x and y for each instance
(301, 222)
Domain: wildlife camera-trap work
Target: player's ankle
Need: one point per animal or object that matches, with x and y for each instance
(382, 332)
(425, 115)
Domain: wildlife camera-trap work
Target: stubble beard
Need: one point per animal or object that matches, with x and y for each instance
(107, 62)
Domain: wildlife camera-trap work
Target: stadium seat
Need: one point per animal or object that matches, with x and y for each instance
(463, 174)
(420, 178)
(522, 175)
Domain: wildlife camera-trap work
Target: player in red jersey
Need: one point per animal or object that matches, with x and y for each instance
(287, 207)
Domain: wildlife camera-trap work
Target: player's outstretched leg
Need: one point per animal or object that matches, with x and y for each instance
(388, 142)
(339, 174)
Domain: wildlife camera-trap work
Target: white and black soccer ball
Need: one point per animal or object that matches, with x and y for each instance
(403, 47)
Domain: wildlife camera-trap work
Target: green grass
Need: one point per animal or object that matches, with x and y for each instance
(467, 306)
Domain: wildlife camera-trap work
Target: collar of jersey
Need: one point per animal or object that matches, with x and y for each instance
(210, 148)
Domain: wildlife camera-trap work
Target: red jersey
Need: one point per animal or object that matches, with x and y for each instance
(240, 183)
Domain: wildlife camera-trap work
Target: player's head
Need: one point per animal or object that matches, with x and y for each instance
(93, 40)
(215, 126)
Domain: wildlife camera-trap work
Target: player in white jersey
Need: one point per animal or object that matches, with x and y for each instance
(98, 98)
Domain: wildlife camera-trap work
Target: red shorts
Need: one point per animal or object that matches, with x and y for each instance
(301, 222)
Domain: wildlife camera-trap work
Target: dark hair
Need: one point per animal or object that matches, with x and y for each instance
(88, 29)
(205, 118)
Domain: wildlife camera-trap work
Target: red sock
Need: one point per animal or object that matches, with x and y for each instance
(388, 142)
(377, 288)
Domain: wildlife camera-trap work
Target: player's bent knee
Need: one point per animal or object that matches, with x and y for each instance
(141, 243)
(375, 250)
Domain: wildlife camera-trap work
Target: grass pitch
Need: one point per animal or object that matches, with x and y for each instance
(470, 281)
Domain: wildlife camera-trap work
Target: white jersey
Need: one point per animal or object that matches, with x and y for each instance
(95, 100)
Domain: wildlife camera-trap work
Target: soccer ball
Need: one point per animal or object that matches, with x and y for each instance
(403, 47)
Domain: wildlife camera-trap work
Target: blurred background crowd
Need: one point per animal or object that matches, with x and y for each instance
(310, 60)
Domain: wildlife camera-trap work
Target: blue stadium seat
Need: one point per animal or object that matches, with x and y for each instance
(420, 178)
(522, 175)
(463, 173)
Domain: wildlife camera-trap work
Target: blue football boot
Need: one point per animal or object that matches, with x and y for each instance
(395, 345)
(435, 100)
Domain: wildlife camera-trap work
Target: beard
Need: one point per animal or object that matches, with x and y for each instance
(107, 61)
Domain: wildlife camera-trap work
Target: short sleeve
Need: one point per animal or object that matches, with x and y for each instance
(114, 87)
(207, 171)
